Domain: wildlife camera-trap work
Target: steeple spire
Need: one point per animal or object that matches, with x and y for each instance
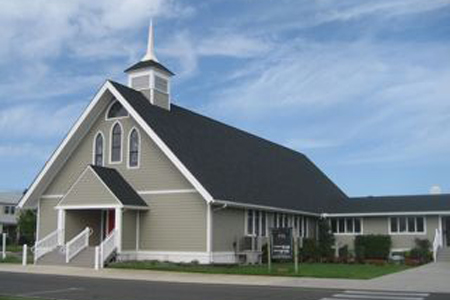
(150, 55)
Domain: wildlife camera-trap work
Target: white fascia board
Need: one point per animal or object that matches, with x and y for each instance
(386, 214)
(264, 207)
(63, 144)
(172, 157)
(81, 207)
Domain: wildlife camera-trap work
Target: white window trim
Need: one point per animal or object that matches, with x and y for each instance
(94, 148)
(424, 232)
(111, 141)
(254, 223)
(116, 118)
(361, 220)
(129, 149)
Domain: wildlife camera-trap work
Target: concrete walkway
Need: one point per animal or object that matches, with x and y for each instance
(432, 278)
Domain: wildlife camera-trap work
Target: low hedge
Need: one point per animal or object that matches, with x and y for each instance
(372, 246)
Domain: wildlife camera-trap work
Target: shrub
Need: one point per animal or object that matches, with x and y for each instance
(325, 240)
(344, 253)
(422, 251)
(372, 247)
(309, 251)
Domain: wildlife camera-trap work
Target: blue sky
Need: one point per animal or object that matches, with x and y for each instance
(361, 87)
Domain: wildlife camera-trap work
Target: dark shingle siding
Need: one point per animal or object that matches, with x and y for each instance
(118, 185)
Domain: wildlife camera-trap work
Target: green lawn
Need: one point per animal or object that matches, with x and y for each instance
(11, 259)
(318, 270)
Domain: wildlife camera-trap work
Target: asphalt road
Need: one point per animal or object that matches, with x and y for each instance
(78, 288)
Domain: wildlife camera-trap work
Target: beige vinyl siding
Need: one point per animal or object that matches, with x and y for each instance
(228, 228)
(78, 220)
(89, 190)
(380, 225)
(48, 217)
(156, 171)
(129, 230)
(175, 222)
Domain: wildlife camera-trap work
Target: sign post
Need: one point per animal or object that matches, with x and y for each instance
(269, 252)
(3, 245)
(296, 254)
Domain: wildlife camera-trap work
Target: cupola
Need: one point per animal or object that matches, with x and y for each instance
(150, 77)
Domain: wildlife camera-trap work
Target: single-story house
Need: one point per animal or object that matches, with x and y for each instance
(143, 178)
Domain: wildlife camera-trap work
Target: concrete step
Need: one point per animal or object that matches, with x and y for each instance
(443, 255)
(56, 257)
(85, 258)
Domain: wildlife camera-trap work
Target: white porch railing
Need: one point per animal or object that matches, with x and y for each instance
(107, 247)
(47, 244)
(77, 244)
(437, 243)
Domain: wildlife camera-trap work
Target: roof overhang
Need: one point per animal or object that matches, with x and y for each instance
(263, 207)
(387, 214)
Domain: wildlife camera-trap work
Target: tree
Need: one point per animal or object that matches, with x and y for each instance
(27, 226)
(325, 239)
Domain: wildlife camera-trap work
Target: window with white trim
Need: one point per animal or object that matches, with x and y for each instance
(133, 159)
(98, 150)
(346, 225)
(116, 110)
(116, 143)
(9, 210)
(406, 225)
(256, 223)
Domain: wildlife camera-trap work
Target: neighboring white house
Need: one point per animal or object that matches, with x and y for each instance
(9, 213)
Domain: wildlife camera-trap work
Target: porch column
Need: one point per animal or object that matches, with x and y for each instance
(118, 225)
(61, 226)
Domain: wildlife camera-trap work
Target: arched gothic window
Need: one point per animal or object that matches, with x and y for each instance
(98, 150)
(116, 110)
(116, 143)
(133, 160)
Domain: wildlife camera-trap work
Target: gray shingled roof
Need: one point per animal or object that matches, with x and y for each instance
(119, 186)
(413, 203)
(234, 165)
(149, 63)
(10, 197)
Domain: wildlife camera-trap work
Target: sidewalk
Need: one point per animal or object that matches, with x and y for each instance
(432, 278)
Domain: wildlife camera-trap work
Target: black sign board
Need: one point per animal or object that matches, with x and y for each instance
(282, 243)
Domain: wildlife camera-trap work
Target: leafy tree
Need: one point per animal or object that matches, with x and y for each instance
(27, 226)
(325, 240)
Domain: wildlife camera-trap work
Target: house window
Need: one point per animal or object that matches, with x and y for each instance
(116, 110)
(116, 143)
(133, 160)
(9, 210)
(161, 84)
(407, 225)
(98, 150)
(346, 226)
(298, 226)
(256, 223)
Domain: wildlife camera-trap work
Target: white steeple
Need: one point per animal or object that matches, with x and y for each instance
(150, 55)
